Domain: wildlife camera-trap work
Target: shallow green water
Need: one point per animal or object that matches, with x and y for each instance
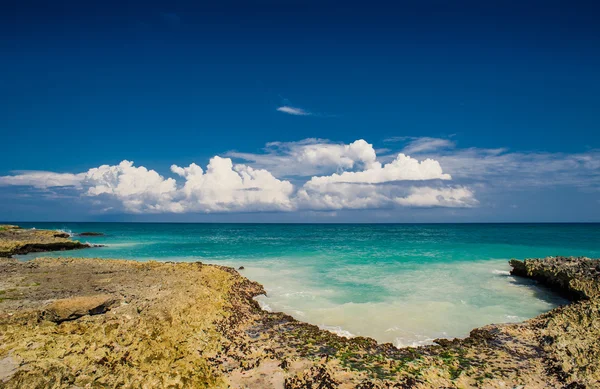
(406, 284)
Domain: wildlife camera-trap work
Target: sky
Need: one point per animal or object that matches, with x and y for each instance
(300, 111)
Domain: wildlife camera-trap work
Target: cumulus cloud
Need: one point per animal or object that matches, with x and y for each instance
(225, 187)
(138, 189)
(320, 175)
(311, 157)
(222, 188)
(400, 169)
(293, 110)
(340, 156)
(369, 196)
(372, 187)
(358, 181)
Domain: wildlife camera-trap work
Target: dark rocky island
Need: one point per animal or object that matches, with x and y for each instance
(70, 323)
(90, 233)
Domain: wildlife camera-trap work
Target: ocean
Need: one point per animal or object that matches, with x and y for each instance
(402, 283)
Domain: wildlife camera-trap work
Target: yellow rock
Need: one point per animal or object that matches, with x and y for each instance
(73, 308)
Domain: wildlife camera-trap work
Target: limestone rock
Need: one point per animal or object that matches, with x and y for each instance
(73, 308)
(15, 241)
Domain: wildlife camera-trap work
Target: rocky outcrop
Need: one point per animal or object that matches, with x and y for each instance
(76, 307)
(15, 240)
(568, 336)
(576, 277)
(145, 324)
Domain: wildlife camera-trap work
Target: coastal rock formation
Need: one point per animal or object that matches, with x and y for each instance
(576, 277)
(90, 234)
(135, 324)
(75, 307)
(569, 335)
(15, 240)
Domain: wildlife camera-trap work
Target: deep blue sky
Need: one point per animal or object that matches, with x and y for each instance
(85, 84)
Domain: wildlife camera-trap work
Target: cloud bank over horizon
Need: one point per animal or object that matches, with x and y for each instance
(356, 180)
(318, 175)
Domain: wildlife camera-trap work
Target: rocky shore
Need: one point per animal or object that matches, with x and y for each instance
(94, 323)
(15, 240)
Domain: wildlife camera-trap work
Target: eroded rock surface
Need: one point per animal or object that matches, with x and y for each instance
(576, 277)
(75, 307)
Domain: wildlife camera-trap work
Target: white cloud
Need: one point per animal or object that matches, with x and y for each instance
(138, 189)
(363, 189)
(41, 179)
(316, 174)
(499, 167)
(369, 196)
(420, 145)
(224, 187)
(361, 182)
(400, 169)
(416, 145)
(311, 157)
(458, 197)
(343, 196)
(293, 111)
(340, 156)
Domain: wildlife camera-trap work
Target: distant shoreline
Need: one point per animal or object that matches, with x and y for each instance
(301, 223)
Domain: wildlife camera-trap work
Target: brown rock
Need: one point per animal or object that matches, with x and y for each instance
(73, 308)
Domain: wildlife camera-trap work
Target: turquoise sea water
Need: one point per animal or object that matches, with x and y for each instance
(406, 284)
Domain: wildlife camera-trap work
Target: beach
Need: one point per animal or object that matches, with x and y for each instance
(87, 322)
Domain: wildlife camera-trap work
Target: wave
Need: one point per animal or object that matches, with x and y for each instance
(130, 244)
(339, 331)
(513, 318)
(402, 342)
(66, 231)
(264, 306)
